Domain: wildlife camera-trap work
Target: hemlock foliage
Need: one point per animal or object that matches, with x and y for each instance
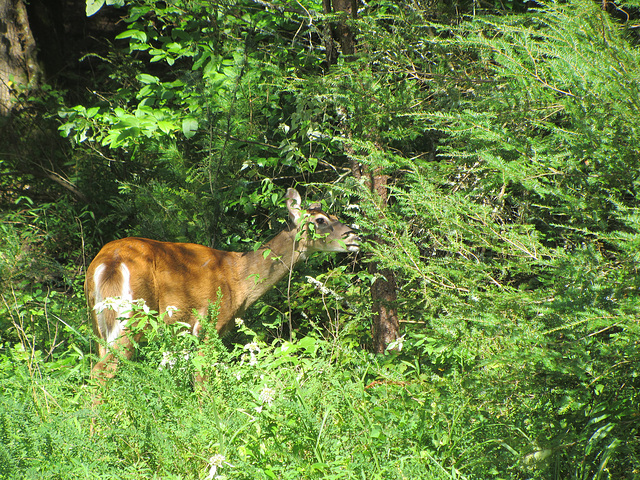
(512, 145)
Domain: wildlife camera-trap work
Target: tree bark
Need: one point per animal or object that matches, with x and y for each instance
(18, 65)
(385, 325)
(340, 33)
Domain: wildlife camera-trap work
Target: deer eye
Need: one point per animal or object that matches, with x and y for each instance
(321, 221)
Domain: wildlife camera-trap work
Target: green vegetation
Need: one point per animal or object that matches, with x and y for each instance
(511, 139)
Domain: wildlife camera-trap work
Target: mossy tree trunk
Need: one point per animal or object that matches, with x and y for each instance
(18, 66)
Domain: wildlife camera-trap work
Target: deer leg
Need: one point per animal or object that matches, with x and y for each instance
(122, 347)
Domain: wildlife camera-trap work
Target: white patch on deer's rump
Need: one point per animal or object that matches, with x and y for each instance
(121, 304)
(124, 309)
(96, 281)
(126, 283)
(97, 275)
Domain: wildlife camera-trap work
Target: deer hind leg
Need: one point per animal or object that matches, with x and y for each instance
(121, 347)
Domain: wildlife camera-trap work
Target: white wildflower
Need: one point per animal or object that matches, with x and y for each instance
(267, 395)
(112, 303)
(171, 309)
(319, 285)
(216, 462)
(396, 345)
(169, 359)
(253, 350)
(239, 322)
(122, 306)
(143, 304)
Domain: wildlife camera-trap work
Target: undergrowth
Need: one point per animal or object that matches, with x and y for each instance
(313, 408)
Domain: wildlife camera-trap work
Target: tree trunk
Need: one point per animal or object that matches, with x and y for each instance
(340, 31)
(18, 66)
(385, 322)
(385, 326)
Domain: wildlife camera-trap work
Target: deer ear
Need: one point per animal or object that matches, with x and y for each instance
(293, 204)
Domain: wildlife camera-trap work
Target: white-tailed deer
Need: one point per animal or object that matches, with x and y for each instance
(190, 276)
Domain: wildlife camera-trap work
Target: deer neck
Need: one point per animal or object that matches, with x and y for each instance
(263, 268)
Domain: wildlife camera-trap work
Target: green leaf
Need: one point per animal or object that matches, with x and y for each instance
(147, 79)
(92, 6)
(135, 34)
(91, 112)
(165, 125)
(189, 127)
